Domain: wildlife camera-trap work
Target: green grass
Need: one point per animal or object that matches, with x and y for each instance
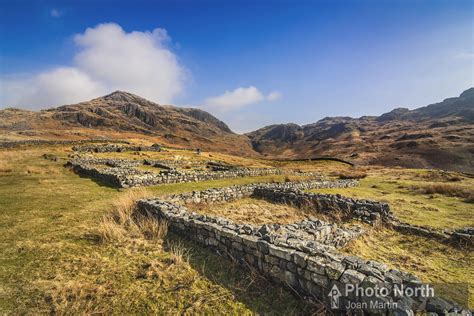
(398, 189)
(51, 259)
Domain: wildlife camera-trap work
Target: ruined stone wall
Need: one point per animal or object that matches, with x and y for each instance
(368, 211)
(463, 237)
(106, 148)
(125, 176)
(231, 193)
(305, 264)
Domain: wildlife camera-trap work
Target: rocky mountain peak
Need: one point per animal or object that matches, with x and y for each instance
(469, 93)
(122, 96)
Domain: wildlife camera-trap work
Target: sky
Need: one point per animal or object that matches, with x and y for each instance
(249, 63)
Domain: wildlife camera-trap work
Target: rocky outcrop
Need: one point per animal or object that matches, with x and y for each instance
(39, 142)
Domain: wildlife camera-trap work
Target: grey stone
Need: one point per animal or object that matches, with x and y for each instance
(334, 270)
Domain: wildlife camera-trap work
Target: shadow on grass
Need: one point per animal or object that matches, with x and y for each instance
(258, 294)
(99, 182)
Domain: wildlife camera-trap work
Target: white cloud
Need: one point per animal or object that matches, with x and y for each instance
(108, 59)
(239, 97)
(55, 13)
(272, 96)
(59, 86)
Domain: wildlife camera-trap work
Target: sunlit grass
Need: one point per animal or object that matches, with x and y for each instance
(54, 259)
(408, 203)
(430, 260)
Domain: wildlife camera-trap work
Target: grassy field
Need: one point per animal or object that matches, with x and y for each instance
(405, 189)
(53, 258)
(444, 266)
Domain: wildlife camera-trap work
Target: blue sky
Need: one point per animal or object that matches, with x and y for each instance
(249, 63)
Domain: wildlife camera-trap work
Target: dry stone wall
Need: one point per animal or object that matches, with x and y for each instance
(371, 212)
(106, 148)
(126, 176)
(463, 237)
(231, 193)
(302, 255)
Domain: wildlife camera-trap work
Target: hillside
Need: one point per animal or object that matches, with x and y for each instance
(438, 135)
(125, 115)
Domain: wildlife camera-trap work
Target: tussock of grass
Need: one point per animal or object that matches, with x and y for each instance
(449, 190)
(179, 254)
(125, 221)
(440, 176)
(350, 174)
(41, 170)
(75, 297)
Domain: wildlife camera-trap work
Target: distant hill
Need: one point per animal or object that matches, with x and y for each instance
(122, 114)
(439, 135)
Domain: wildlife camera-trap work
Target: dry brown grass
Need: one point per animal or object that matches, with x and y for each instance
(179, 254)
(254, 211)
(440, 176)
(448, 189)
(350, 174)
(124, 221)
(76, 298)
(5, 167)
(41, 170)
(444, 266)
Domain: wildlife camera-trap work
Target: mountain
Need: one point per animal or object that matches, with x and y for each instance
(439, 135)
(122, 114)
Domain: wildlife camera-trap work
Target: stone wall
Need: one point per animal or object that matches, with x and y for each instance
(231, 193)
(125, 176)
(463, 237)
(368, 211)
(302, 255)
(371, 212)
(106, 148)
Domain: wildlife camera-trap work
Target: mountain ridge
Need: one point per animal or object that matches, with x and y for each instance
(437, 135)
(127, 113)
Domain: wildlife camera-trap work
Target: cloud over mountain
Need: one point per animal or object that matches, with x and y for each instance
(238, 98)
(108, 59)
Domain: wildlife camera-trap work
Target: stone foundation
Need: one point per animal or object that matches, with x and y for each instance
(123, 173)
(463, 237)
(301, 256)
(108, 148)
